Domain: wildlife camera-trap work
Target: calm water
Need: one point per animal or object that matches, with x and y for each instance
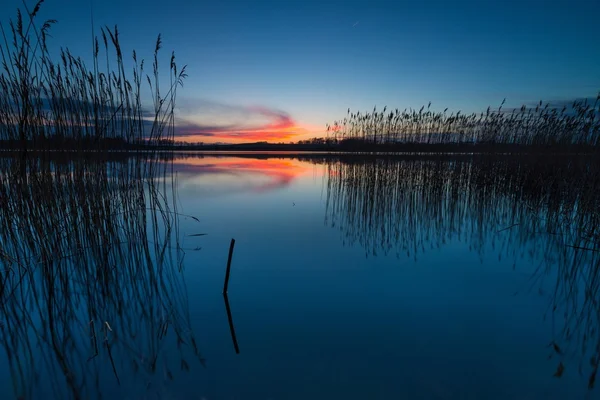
(351, 278)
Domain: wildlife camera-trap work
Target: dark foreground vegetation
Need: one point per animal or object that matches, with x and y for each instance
(56, 101)
(91, 290)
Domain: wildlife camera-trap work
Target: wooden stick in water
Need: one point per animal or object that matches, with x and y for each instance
(228, 266)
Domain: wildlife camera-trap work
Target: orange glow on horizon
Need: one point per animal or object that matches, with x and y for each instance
(272, 133)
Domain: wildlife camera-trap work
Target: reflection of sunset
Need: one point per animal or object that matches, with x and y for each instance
(260, 174)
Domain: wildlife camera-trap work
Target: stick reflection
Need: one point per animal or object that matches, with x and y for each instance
(231, 326)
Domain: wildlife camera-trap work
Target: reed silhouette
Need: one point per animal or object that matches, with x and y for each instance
(91, 290)
(55, 101)
(573, 128)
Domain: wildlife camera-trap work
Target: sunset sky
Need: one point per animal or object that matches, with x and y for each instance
(280, 70)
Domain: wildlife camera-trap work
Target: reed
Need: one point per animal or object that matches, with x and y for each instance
(49, 102)
(530, 127)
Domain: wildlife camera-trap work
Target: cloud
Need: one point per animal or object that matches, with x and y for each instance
(205, 119)
(209, 121)
(565, 102)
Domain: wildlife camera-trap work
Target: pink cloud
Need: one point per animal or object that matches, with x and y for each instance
(237, 124)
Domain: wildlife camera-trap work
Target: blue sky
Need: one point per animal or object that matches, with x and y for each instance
(290, 67)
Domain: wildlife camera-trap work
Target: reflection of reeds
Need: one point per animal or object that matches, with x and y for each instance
(388, 204)
(89, 254)
(541, 126)
(61, 103)
(543, 210)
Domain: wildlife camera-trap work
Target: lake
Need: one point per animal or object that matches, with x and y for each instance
(352, 277)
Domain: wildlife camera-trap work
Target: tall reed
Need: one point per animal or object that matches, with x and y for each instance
(57, 102)
(540, 126)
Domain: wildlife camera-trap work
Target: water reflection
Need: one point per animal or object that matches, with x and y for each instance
(93, 301)
(92, 296)
(236, 174)
(231, 324)
(529, 211)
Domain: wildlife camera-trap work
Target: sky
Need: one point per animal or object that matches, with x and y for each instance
(279, 71)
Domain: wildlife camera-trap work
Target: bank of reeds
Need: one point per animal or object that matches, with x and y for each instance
(576, 126)
(53, 101)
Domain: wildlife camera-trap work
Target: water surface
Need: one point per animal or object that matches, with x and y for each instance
(379, 277)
